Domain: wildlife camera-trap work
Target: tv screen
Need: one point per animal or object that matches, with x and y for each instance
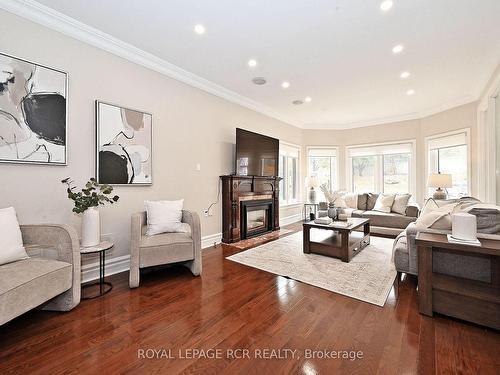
(256, 154)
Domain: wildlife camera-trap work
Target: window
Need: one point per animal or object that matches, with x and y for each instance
(449, 153)
(322, 163)
(289, 172)
(386, 168)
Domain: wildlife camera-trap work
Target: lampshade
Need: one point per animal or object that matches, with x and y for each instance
(312, 181)
(439, 180)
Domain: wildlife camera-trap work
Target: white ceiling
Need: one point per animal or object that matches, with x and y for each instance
(336, 51)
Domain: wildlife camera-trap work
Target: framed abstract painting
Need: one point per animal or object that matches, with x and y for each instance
(33, 112)
(124, 145)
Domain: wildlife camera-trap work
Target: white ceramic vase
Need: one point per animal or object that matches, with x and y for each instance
(91, 227)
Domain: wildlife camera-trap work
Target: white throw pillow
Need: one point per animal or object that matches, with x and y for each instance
(400, 203)
(437, 218)
(339, 200)
(164, 216)
(384, 203)
(11, 240)
(351, 200)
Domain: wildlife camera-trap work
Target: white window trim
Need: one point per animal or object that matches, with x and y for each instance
(380, 181)
(337, 174)
(469, 163)
(290, 203)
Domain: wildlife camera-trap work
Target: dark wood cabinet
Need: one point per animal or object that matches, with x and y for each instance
(236, 189)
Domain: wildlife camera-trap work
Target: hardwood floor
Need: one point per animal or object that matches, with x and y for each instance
(237, 307)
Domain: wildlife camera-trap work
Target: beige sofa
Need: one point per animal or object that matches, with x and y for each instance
(50, 278)
(164, 248)
(390, 224)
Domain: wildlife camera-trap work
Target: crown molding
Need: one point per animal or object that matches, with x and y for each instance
(60, 22)
(50, 18)
(398, 118)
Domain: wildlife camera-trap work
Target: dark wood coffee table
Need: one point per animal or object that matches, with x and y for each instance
(335, 240)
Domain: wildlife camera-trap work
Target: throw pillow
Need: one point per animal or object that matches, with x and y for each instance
(11, 240)
(400, 203)
(437, 218)
(339, 200)
(351, 200)
(371, 200)
(384, 203)
(164, 216)
(362, 201)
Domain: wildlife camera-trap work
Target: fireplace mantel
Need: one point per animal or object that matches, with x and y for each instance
(236, 189)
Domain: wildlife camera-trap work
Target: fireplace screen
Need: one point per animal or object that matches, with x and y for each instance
(256, 217)
(256, 220)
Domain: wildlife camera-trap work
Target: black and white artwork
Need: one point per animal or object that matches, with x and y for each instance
(124, 145)
(33, 110)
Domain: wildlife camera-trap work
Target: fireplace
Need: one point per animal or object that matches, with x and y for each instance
(250, 206)
(256, 217)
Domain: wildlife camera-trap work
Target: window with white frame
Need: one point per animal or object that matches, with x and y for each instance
(388, 168)
(449, 153)
(322, 163)
(289, 172)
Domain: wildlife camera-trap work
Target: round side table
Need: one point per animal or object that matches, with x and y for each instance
(104, 286)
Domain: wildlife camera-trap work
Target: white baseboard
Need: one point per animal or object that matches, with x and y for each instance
(90, 271)
(290, 219)
(211, 240)
(113, 265)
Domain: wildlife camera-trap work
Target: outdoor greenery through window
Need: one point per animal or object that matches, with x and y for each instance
(289, 172)
(322, 163)
(449, 154)
(383, 168)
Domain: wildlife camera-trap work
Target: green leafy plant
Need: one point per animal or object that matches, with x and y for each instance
(92, 195)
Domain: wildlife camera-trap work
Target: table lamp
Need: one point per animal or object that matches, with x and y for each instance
(312, 182)
(439, 181)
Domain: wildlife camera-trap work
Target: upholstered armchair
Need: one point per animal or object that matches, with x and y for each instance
(164, 248)
(49, 278)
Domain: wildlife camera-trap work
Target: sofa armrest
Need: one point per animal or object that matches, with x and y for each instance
(412, 210)
(192, 218)
(60, 242)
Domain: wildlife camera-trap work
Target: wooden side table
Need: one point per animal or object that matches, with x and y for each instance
(104, 286)
(471, 300)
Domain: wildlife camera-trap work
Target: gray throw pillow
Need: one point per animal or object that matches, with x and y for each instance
(362, 201)
(372, 199)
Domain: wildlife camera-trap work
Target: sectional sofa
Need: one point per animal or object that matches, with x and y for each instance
(385, 223)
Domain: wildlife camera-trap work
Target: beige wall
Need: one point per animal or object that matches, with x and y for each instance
(190, 126)
(452, 119)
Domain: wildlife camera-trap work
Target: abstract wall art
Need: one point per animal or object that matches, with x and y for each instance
(124, 145)
(33, 112)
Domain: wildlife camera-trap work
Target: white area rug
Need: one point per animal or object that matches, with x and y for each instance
(368, 277)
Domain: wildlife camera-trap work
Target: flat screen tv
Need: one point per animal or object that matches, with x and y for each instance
(256, 154)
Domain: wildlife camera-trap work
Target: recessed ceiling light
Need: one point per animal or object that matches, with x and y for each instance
(308, 99)
(297, 102)
(252, 63)
(410, 92)
(386, 5)
(405, 75)
(199, 29)
(397, 49)
(259, 81)
(285, 84)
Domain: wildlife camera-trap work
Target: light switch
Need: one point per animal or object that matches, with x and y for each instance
(198, 166)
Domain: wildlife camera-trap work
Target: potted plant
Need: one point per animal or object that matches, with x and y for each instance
(87, 202)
